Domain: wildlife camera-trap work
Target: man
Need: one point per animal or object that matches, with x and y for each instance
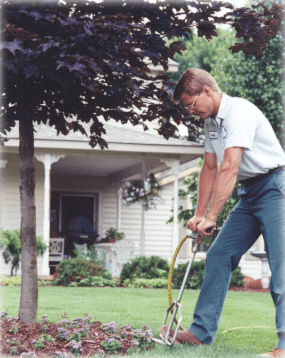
(242, 141)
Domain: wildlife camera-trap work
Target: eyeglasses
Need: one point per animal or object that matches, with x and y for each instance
(192, 105)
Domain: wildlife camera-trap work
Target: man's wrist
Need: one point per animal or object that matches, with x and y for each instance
(200, 214)
(212, 217)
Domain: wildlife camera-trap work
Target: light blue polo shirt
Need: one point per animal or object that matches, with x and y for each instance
(240, 123)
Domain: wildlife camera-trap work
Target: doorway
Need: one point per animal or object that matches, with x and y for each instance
(77, 205)
(78, 220)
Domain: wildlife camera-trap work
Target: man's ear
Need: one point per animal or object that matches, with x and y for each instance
(207, 90)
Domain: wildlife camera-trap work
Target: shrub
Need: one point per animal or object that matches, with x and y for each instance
(95, 281)
(16, 281)
(237, 278)
(195, 277)
(111, 345)
(11, 280)
(91, 254)
(75, 348)
(197, 273)
(47, 338)
(10, 240)
(74, 270)
(145, 267)
(146, 282)
(143, 338)
(14, 351)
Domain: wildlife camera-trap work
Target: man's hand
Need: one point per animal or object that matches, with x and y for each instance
(204, 227)
(193, 222)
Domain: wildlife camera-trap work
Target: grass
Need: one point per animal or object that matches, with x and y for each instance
(253, 312)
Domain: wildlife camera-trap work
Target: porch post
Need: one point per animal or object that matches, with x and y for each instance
(47, 160)
(175, 168)
(142, 243)
(119, 205)
(2, 166)
(174, 164)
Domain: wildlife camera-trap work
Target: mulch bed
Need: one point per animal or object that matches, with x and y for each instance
(250, 285)
(28, 332)
(247, 289)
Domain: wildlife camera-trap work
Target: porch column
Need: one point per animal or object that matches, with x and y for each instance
(142, 242)
(2, 166)
(174, 164)
(47, 160)
(119, 204)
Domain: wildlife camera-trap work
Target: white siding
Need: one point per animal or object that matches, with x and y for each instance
(11, 216)
(109, 209)
(158, 234)
(10, 203)
(250, 268)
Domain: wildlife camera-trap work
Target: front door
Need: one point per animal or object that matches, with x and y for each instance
(66, 209)
(74, 206)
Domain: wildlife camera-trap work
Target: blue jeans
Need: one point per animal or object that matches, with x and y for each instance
(261, 210)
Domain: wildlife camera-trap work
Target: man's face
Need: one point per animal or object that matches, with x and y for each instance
(204, 105)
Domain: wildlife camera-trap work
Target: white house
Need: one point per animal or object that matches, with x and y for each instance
(71, 178)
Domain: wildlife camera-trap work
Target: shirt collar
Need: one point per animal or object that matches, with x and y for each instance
(224, 106)
(223, 110)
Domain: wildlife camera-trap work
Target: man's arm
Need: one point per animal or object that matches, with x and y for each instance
(225, 183)
(206, 187)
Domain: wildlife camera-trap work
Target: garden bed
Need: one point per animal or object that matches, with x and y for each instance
(79, 337)
(250, 285)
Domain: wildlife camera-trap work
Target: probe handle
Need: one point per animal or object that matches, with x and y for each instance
(209, 229)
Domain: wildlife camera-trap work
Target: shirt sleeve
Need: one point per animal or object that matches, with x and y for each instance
(208, 145)
(241, 125)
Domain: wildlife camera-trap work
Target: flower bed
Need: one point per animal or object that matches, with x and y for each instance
(67, 339)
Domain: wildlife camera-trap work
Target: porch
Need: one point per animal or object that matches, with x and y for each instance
(72, 180)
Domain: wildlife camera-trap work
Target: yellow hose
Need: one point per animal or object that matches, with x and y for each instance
(170, 275)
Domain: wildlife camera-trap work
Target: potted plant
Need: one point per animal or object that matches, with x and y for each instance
(10, 241)
(145, 192)
(113, 235)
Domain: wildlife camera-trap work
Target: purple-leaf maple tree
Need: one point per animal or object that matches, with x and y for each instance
(86, 60)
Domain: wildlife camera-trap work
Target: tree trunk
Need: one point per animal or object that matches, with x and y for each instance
(29, 287)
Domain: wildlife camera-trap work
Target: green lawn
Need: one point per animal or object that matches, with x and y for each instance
(253, 312)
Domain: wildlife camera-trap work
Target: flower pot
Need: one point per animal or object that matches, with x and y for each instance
(111, 240)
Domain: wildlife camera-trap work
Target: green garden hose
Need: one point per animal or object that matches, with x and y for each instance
(170, 275)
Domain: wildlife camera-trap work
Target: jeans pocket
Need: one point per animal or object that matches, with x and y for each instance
(279, 178)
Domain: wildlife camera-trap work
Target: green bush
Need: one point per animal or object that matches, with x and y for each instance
(10, 240)
(237, 278)
(16, 281)
(197, 273)
(145, 267)
(96, 281)
(76, 269)
(111, 346)
(195, 277)
(91, 254)
(11, 280)
(146, 282)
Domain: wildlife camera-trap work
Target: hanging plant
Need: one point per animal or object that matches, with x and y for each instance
(145, 192)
